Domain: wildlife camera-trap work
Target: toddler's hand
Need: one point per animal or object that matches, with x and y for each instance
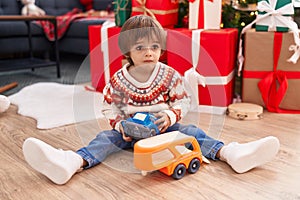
(125, 138)
(163, 121)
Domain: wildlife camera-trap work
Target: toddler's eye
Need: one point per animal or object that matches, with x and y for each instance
(139, 48)
(155, 46)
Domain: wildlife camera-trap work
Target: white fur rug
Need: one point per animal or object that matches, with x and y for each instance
(54, 104)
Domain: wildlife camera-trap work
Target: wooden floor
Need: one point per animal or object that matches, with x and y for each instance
(278, 179)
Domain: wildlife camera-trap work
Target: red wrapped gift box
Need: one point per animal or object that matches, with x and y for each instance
(105, 55)
(165, 11)
(213, 53)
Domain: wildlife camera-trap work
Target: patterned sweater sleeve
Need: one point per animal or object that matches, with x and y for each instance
(179, 100)
(111, 107)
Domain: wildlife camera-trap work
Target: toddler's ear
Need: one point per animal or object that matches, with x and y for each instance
(4, 103)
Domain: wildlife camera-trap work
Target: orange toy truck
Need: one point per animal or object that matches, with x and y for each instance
(171, 153)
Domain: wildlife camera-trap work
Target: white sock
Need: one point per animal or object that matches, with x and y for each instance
(243, 157)
(58, 165)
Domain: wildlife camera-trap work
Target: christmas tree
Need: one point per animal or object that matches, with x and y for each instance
(238, 14)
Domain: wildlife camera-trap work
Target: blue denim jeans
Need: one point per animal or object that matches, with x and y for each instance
(111, 141)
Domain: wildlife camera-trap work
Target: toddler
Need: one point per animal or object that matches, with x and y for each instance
(143, 85)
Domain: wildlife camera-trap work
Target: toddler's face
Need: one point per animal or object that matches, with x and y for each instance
(145, 52)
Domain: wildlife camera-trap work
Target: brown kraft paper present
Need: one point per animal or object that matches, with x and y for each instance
(268, 79)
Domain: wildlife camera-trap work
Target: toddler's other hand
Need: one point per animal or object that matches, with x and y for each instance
(163, 121)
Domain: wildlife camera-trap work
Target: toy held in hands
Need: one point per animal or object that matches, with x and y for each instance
(140, 126)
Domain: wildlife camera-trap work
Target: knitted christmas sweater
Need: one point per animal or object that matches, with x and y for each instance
(163, 92)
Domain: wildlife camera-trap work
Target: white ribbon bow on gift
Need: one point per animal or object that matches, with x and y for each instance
(191, 76)
(269, 8)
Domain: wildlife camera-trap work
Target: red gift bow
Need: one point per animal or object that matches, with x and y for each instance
(274, 85)
(271, 93)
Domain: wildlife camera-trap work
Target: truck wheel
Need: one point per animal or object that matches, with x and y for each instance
(179, 172)
(144, 173)
(194, 166)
